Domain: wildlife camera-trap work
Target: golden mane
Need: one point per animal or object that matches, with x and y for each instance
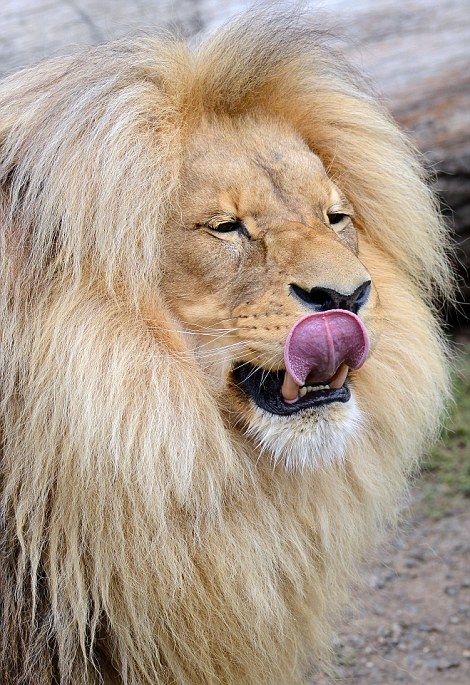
(140, 540)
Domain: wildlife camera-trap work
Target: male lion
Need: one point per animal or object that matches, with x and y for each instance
(219, 357)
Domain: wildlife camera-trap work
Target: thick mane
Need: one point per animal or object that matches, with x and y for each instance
(119, 114)
(121, 481)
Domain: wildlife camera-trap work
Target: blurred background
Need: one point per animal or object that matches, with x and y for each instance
(412, 624)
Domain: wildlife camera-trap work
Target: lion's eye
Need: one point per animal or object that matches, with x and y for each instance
(233, 226)
(337, 217)
(227, 227)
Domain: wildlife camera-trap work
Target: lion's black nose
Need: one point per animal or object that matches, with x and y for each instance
(322, 299)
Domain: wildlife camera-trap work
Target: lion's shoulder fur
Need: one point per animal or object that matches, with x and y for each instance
(138, 531)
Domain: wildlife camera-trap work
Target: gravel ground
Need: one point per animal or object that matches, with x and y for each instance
(412, 621)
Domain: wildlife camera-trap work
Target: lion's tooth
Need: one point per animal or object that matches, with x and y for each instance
(303, 391)
(290, 389)
(340, 376)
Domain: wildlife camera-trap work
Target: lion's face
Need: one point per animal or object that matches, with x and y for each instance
(265, 237)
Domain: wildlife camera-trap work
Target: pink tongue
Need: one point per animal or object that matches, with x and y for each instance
(318, 343)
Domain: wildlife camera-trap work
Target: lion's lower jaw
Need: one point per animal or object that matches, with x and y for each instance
(310, 439)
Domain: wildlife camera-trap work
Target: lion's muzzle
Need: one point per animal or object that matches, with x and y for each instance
(321, 347)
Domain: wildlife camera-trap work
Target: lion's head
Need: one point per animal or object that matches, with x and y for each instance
(264, 237)
(220, 359)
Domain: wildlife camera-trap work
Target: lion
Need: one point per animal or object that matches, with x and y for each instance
(221, 353)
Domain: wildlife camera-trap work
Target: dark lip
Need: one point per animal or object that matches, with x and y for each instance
(264, 388)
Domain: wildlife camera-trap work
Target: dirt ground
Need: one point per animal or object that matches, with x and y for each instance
(412, 623)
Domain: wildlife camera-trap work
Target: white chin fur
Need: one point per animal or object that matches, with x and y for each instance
(307, 440)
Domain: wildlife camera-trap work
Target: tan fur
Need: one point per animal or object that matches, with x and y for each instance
(158, 527)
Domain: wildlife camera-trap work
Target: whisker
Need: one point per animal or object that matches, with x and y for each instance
(251, 373)
(267, 371)
(214, 353)
(220, 331)
(207, 354)
(215, 338)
